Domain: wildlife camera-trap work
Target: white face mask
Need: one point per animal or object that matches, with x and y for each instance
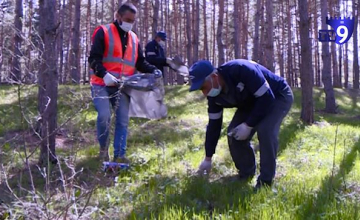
(162, 43)
(126, 26)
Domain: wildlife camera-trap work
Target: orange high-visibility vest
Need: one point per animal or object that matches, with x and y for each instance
(115, 62)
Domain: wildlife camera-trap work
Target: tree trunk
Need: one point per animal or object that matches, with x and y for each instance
(237, 29)
(213, 34)
(102, 12)
(88, 35)
(196, 32)
(16, 65)
(269, 48)
(306, 72)
(29, 76)
(255, 55)
(262, 34)
(335, 67)
(48, 82)
(188, 31)
(340, 65)
(206, 45)
(219, 33)
(281, 42)
(68, 41)
(356, 55)
(330, 105)
(317, 59)
(74, 53)
(155, 17)
(1, 43)
(346, 68)
(290, 69)
(245, 31)
(61, 41)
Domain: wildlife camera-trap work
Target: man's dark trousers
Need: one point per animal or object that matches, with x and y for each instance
(267, 131)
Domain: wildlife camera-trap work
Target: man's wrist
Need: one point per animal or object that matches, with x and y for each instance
(208, 158)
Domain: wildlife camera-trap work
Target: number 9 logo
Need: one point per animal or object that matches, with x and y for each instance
(343, 34)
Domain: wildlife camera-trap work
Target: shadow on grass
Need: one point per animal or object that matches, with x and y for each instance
(323, 201)
(288, 133)
(195, 195)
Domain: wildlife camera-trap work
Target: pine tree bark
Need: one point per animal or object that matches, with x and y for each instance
(29, 75)
(255, 55)
(330, 105)
(68, 41)
(88, 34)
(290, 69)
(206, 45)
(1, 43)
(334, 62)
(196, 32)
(237, 29)
(346, 67)
(356, 53)
(213, 33)
(74, 53)
(155, 17)
(16, 65)
(306, 70)
(48, 81)
(219, 33)
(269, 48)
(188, 31)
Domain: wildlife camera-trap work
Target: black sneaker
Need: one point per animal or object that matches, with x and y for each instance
(245, 179)
(262, 185)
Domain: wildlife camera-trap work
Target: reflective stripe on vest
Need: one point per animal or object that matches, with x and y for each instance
(114, 56)
(111, 58)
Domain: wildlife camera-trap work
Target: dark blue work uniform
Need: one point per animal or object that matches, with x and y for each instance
(155, 55)
(262, 100)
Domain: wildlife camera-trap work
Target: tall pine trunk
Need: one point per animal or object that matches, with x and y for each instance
(356, 53)
(188, 31)
(196, 31)
(16, 65)
(219, 33)
(255, 55)
(87, 38)
(306, 72)
(48, 81)
(237, 29)
(269, 48)
(74, 53)
(290, 69)
(330, 105)
(206, 45)
(155, 17)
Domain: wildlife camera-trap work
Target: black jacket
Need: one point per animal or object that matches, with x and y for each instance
(155, 55)
(97, 51)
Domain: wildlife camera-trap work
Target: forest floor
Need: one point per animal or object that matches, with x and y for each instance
(318, 172)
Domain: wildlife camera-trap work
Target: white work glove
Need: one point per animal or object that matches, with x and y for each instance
(110, 80)
(204, 166)
(157, 73)
(171, 63)
(241, 132)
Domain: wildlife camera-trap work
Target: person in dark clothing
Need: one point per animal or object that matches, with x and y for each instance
(115, 54)
(262, 100)
(154, 51)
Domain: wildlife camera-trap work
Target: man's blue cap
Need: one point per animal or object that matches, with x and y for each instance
(198, 72)
(162, 35)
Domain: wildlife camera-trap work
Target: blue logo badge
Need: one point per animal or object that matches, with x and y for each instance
(341, 33)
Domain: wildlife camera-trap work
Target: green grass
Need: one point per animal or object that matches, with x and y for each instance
(316, 179)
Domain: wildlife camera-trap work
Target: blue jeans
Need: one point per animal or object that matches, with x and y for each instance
(102, 98)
